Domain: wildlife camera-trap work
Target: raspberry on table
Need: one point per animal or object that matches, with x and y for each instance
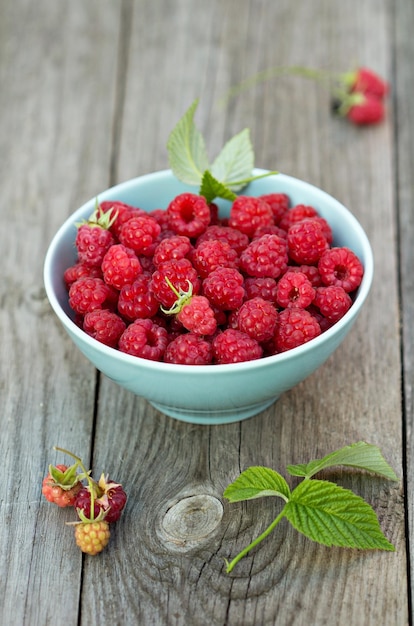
(144, 338)
(120, 266)
(248, 213)
(279, 203)
(306, 242)
(61, 486)
(234, 346)
(189, 349)
(340, 266)
(294, 289)
(109, 498)
(266, 257)
(139, 233)
(295, 327)
(104, 326)
(188, 215)
(88, 294)
(92, 537)
(333, 302)
(257, 318)
(210, 254)
(180, 272)
(224, 287)
(137, 300)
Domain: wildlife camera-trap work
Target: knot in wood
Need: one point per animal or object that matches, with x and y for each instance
(192, 519)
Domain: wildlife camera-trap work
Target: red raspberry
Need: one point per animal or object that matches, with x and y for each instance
(104, 326)
(236, 239)
(306, 242)
(224, 288)
(88, 294)
(92, 537)
(197, 316)
(341, 266)
(61, 485)
(269, 230)
(122, 213)
(325, 227)
(294, 289)
(120, 266)
(294, 328)
(93, 238)
(188, 215)
(180, 273)
(265, 288)
(109, 498)
(364, 80)
(248, 213)
(310, 271)
(266, 256)
(278, 202)
(189, 349)
(365, 109)
(144, 338)
(175, 247)
(137, 300)
(296, 214)
(80, 270)
(139, 233)
(333, 302)
(161, 217)
(209, 255)
(257, 318)
(234, 346)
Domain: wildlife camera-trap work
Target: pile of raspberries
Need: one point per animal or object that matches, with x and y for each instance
(184, 285)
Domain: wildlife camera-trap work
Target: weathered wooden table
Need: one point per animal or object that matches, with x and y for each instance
(89, 92)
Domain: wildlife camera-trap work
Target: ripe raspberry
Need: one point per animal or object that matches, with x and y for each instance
(197, 316)
(175, 247)
(364, 80)
(109, 498)
(294, 289)
(139, 233)
(189, 349)
(236, 239)
(269, 230)
(88, 294)
(93, 238)
(306, 242)
(310, 271)
(362, 109)
(224, 288)
(122, 212)
(294, 328)
(279, 203)
(209, 255)
(266, 256)
(120, 266)
(61, 485)
(92, 537)
(80, 270)
(188, 215)
(325, 227)
(265, 288)
(257, 318)
(137, 300)
(160, 216)
(179, 272)
(248, 213)
(234, 346)
(333, 302)
(104, 326)
(296, 214)
(341, 266)
(144, 338)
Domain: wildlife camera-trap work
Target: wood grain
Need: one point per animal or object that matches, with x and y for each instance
(89, 101)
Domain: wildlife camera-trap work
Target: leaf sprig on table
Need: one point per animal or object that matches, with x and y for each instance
(319, 509)
(231, 170)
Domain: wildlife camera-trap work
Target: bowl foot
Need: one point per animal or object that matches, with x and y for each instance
(213, 416)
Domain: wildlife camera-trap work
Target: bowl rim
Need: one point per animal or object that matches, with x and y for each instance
(160, 366)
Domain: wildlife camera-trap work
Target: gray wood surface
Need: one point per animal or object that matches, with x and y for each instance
(89, 92)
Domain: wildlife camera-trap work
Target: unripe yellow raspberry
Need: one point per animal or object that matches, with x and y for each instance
(92, 537)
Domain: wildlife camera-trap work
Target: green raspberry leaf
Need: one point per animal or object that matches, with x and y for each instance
(235, 161)
(334, 516)
(186, 149)
(359, 455)
(257, 482)
(212, 188)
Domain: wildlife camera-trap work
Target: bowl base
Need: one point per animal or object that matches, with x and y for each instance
(213, 417)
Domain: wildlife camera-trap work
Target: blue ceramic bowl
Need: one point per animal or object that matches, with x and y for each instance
(208, 394)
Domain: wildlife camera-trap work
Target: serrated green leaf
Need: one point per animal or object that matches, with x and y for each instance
(334, 516)
(212, 188)
(257, 482)
(186, 149)
(360, 455)
(235, 161)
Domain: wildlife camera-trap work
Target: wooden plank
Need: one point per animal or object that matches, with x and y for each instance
(151, 575)
(58, 74)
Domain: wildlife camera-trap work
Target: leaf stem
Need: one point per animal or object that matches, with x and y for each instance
(255, 542)
(88, 478)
